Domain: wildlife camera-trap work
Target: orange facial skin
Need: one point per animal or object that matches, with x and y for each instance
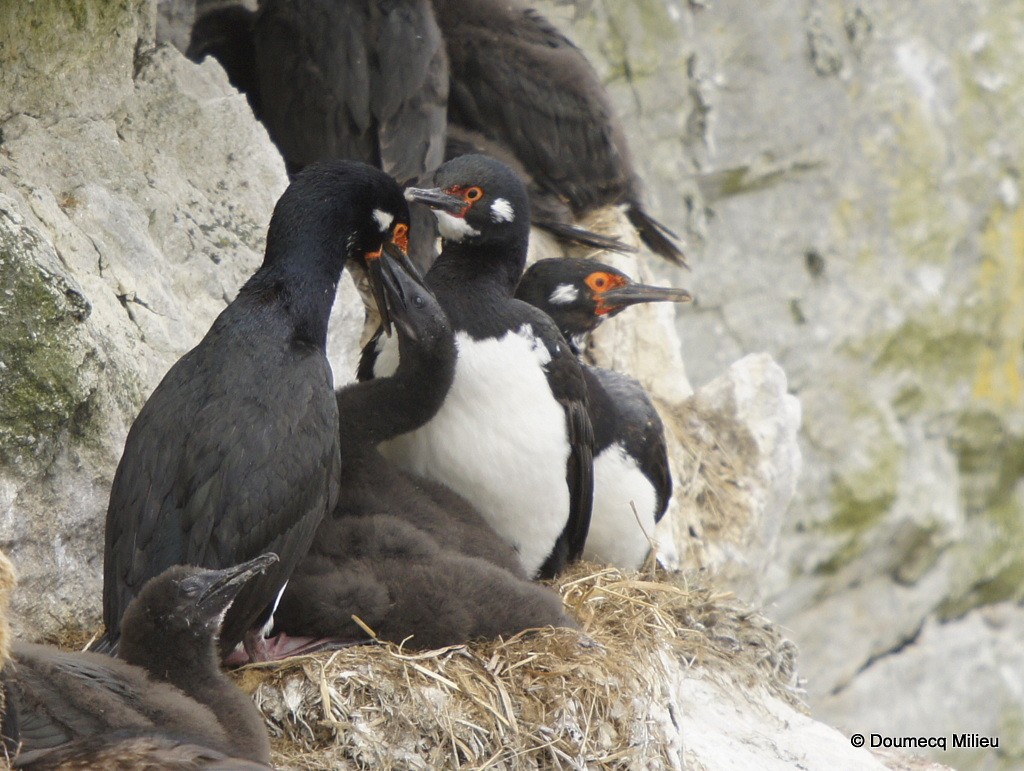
(599, 283)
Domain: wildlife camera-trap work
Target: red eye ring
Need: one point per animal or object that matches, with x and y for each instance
(474, 194)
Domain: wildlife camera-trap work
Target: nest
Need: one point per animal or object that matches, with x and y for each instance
(605, 696)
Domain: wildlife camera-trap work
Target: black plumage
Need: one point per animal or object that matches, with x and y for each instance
(523, 85)
(359, 79)
(516, 416)
(364, 80)
(236, 451)
(166, 677)
(226, 34)
(407, 556)
(628, 433)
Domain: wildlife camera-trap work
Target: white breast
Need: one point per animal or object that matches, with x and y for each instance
(617, 535)
(500, 440)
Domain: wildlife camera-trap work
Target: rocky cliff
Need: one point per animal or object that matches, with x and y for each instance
(848, 175)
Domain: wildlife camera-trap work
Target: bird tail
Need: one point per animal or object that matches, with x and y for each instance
(577, 235)
(107, 643)
(658, 238)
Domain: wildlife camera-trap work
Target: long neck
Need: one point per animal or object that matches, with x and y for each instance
(195, 670)
(377, 410)
(461, 264)
(303, 285)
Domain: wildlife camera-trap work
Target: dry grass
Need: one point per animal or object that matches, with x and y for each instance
(550, 698)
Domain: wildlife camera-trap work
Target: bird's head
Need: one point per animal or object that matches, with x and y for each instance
(185, 602)
(580, 294)
(477, 200)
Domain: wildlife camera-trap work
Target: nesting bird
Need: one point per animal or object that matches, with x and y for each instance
(236, 451)
(166, 680)
(512, 435)
(407, 556)
(359, 79)
(519, 84)
(372, 81)
(632, 481)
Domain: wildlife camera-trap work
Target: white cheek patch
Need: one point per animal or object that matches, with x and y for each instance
(564, 294)
(502, 211)
(453, 228)
(383, 219)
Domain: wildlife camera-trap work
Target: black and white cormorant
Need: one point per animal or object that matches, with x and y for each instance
(408, 557)
(631, 468)
(236, 451)
(166, 678)
(521, 84)
(512, 435)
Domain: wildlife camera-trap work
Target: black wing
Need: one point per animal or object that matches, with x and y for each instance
(521, 83)
(629, 417)
(518, 81)
(220, 467)
(366, 81)
(565, 377)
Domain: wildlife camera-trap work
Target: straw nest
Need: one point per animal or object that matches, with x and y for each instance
(603, 697)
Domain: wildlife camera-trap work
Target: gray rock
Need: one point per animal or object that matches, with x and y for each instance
(118, 247)
(966, 677)
(847, 172)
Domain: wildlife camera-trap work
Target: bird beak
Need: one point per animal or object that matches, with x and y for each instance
(225, 584)
(632, 294)
(400, 280)
(374, 271)
(435, 198)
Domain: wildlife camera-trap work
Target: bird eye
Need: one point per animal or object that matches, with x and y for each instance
(418, 301)
(190, 590)
(474, 194)
(597, 281)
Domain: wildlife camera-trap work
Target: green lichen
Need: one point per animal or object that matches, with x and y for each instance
(989, 564)
(41, 388)
(53, 52)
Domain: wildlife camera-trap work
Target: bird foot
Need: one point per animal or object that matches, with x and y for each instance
(256, 648)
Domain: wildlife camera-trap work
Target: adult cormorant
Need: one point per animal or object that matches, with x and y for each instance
(236, 451)
(632, 481)
(520, 83)
(512, 435)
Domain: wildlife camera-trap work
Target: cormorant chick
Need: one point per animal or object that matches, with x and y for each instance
(236, 451)
(133, 751)
(167, 678)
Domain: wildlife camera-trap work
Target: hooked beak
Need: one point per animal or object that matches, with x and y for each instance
(225, 584)
(619, 298)
(435, 198)
(400, 279)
